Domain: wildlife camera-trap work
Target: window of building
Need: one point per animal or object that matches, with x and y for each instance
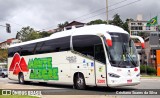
(133, 23)
(148, 28)
(139, 23)
(140, 28)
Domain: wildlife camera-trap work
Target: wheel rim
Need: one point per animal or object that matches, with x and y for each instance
(80, 82)
(21, 79)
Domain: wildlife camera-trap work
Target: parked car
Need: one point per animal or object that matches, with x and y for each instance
(3, 72)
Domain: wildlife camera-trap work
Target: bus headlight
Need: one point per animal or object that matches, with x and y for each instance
(138, 75)
(113, 75)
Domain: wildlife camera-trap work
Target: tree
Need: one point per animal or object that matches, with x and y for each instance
(98, 21)
(62, 25)
(27, 33)
(117, 21)
(44, 34)
(3, 55)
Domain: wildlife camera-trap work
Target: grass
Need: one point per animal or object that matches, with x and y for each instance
(150, 76)
(17, 96)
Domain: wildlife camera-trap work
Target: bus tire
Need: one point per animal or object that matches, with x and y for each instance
(79, 82)
(21, 78)
(3, 75)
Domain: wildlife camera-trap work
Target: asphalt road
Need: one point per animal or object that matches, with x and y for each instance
(53, 89)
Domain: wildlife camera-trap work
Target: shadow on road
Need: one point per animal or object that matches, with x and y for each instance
(89, 90)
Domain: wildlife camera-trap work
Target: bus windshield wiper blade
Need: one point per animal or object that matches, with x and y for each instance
(123, 52)
(133, 62)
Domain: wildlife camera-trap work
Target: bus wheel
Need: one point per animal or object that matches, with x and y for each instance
(80, 82)
(21, 78)
(3, 76)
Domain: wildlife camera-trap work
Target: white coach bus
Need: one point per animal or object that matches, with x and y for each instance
(96, 55)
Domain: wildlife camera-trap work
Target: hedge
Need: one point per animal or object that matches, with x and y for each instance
(145, 69)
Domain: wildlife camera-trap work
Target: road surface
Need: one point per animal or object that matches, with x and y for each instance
(53, 89)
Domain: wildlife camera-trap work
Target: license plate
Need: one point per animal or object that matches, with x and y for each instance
(129, 81)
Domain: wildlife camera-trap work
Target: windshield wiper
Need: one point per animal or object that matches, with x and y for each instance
(123, 53)
(132, 61)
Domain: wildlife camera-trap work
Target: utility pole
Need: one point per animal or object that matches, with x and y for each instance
(107, 11)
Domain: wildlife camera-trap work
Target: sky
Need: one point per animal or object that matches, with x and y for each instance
(47, 14)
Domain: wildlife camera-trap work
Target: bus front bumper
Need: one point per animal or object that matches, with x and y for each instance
(113, 82)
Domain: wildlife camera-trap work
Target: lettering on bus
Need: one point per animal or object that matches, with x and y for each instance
(41, 68)
(71, 59)
(100, 81)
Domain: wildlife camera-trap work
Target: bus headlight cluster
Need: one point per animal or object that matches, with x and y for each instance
(113, 75)
(138, 75)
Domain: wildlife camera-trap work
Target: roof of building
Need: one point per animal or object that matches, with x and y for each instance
(74, 23)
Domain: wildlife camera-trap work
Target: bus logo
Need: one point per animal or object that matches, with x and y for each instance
(18, 64)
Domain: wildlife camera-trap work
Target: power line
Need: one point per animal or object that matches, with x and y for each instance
(90, 13)
(99, 10)
(112, 9)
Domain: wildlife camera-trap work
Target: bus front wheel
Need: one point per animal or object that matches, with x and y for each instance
(79, 82)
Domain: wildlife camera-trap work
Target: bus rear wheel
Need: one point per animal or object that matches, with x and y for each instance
(79, 82)
(21, 78)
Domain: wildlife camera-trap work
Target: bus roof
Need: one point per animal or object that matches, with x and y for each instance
(86, 30)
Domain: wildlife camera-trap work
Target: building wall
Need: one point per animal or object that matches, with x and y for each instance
(140, 26)
(6, 44)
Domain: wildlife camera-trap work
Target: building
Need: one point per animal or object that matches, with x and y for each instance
(8, 42)
(71, 25)
(139, 27)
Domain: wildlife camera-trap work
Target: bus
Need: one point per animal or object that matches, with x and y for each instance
(95, 55)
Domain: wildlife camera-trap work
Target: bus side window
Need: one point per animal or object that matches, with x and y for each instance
(84, 44)
(13, 50)
(99, 53)
(54, 45)
(28, 49)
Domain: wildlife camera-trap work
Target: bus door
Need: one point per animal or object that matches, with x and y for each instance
(100, 65)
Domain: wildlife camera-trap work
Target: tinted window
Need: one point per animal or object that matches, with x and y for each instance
(54, 45)
(86, 44)
(28, 49)
(4, 69)
(99, 53)
(13, 50)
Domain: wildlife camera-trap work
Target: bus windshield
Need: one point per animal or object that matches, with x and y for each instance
(122, 53)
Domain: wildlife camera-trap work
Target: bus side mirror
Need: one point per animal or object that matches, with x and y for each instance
(109, 42)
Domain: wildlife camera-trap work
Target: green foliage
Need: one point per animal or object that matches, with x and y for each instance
(98, 21)
(61, 25)
(44, 34)
(125, 25)
(148, 70)
(27, 33)
(117, 21)
(3, 55)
